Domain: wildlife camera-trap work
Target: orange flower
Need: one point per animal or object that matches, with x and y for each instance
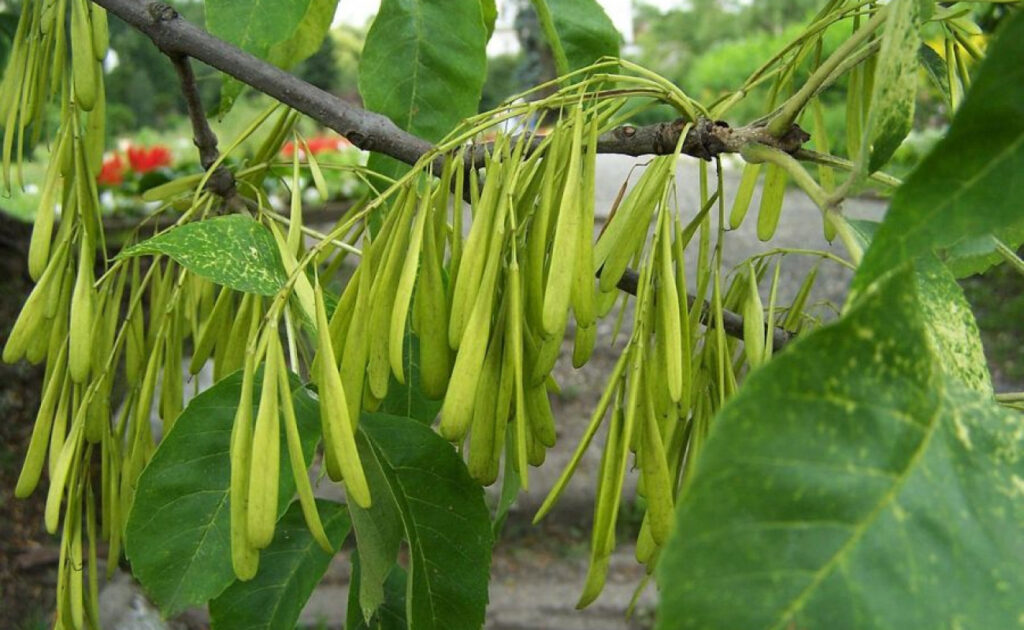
(144, 160)
(112, 172)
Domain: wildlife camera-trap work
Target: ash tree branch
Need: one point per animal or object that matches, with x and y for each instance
(370, 131)
(374, 132)
(705, 139)
(172, 34)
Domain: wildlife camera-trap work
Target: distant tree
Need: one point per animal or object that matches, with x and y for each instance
(142, 88)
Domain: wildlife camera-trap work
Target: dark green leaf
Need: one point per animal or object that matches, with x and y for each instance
(863, 230)
(378, 536)
(443, 517)
(971, 184)
(852, 483)
(233, 250)
(895, 83)
(178, 535)
(423, 64)
(510, 485)
(283, 32)
(976, 255)
(935, 67)
(290, 569)
(408, 401)
(490, 14)
(391, 614)
(586, 32)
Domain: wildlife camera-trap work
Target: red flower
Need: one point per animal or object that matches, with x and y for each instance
(112, 173)
(324, 143)
(144, 160)
(317, 145)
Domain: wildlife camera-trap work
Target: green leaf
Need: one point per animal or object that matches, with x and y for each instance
(424, 63)
(379, 528)
(951, 327)
(971, 184)
(308, 35)
(948, 317)
(233, 250)
(283, 32)
(586, 31)
(290, 569)
(976, 255)
(895, 83)
(852, 483)
(511, 484)
(391, 614)
(863, 230)
(935, 67)
(178, 538)
(378, 538)
(443, 518)
(423, 66)
(408, 401)
(489, 9)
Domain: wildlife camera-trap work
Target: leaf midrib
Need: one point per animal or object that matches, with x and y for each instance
(861, 529)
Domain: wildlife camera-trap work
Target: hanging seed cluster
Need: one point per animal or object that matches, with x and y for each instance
(491, 304)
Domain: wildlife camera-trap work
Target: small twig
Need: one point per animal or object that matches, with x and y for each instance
(42, 557)
(706, 139)
(221, 182)
(807, 155)
(731, 322)
(280, 218)
(172, 34)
